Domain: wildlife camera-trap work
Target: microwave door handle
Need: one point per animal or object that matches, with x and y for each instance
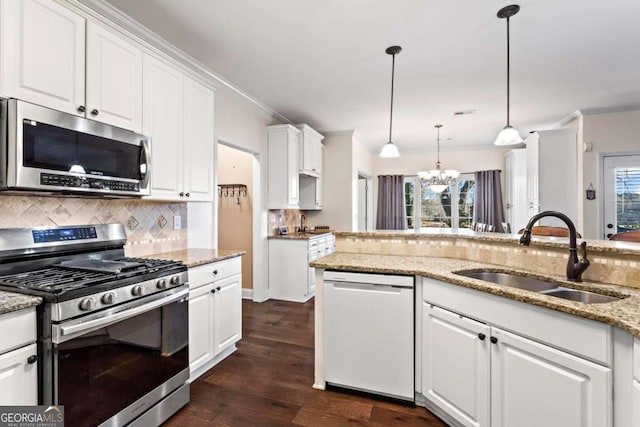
(146, 155)
(64, 333)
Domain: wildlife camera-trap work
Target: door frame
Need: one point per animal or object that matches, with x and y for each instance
(259, 291)
(601, 186)
(368, 202)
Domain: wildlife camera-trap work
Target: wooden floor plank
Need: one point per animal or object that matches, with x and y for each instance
(267, 382)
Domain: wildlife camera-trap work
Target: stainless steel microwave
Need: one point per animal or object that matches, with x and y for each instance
(45, 150)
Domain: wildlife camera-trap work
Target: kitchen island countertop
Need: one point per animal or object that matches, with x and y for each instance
(196, 256)
(13, 302)
(624, 314)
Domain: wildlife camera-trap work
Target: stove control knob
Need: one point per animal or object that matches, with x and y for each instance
(87, 304)
(174, 280)
(136, 291)
(161, 284)
(108, 298)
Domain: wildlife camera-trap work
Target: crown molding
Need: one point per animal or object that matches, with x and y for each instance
(114, 18)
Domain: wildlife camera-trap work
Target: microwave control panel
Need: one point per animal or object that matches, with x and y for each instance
(87, 183)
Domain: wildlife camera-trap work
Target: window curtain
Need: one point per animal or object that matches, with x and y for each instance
(391, 213)
(487, 204)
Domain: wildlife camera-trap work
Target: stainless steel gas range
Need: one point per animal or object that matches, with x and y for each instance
(112, 332)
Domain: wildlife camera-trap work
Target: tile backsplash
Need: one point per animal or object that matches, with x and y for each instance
(149, 224)
(287, 217)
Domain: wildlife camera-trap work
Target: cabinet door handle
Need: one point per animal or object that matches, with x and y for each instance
(81, 109)
(182, 194)
(188, 194)
(32, 359)
(218, 288)
(481, 336)
(213, 291)
(95, 112)
(494, 340)
(215, 272)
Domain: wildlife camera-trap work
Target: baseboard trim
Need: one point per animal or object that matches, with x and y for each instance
(247, 293)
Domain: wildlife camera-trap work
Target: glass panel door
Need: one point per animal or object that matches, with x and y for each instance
(621, 196)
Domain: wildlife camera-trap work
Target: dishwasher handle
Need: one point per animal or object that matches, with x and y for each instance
(367, 287)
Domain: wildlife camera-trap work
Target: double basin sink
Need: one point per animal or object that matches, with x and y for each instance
(539, 286)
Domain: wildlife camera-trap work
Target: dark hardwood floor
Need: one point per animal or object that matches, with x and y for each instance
(267, 382)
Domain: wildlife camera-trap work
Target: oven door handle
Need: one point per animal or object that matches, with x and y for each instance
(65, 332)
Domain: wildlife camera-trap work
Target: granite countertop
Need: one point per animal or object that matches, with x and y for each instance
(624, 314)
(299, 236)
(195, 257)
(602, 246)
(13, 302)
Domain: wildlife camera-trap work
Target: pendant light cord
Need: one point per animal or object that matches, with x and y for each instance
(393, 72)
(508, 73)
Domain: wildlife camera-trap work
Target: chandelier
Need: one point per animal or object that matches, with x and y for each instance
(437, 179)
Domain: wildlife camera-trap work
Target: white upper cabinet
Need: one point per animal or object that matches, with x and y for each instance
(198, 141)
(178, 116)
(310, 151)
(43, 54)
(44, 62)
(163, 121)
(284, 186)
(114, 79)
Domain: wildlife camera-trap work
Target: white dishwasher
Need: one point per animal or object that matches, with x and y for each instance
(369, 332)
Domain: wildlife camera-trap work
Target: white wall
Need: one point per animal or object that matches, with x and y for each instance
(362, 164)
(340, 180)
(610, 133)
(462, 161)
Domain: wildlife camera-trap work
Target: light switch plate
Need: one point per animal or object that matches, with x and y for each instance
(177, 222)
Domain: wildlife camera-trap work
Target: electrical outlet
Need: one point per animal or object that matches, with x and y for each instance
(177, 222)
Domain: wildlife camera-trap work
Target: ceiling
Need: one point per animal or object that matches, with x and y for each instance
(324, 62)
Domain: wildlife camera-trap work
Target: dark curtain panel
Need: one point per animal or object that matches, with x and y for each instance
(487, 204)
(391, 212)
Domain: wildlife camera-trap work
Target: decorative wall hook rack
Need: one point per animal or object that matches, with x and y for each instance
(232, 190)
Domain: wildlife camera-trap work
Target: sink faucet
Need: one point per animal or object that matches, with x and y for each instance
(575, 267)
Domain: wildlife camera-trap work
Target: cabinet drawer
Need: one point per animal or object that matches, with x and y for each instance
(19, 328)
(208, 273)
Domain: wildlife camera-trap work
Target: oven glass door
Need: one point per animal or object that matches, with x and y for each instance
(106, 370)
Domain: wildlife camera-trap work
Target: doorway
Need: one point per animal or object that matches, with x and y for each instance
(365, 203)
(621, 194)
(237, 174)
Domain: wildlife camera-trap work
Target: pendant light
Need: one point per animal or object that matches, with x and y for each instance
(438, 180)
(508, 135)
(390, 149)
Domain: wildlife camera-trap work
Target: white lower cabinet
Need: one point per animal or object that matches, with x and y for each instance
(536, 385)
(636, 402)
(18, 358)
(479, 374)
(455, 365)
(215, 313)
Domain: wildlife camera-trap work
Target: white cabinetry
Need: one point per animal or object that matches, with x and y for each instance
(555, 152)
(284, 141)
(114, 79)
(18, 358)
(548, 378)
(44, 62)
(290, 277)
(215, 313)
(43, 54)
(635, 390)
(311, 189)
(455, 365)
(178, 115)
(310, 151)
(516, 189)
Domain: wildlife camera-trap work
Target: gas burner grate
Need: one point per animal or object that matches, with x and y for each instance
(55, 279)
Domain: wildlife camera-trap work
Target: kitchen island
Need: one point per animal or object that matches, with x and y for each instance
(564, 351)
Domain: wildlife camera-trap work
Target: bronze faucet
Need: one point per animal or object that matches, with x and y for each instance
(575, 266)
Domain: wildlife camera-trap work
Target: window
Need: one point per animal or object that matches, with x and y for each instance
(451, 208)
